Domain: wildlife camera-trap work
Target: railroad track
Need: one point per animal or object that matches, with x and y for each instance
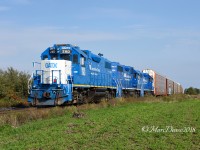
(11, 110)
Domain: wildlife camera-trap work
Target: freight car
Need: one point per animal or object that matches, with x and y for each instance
(163, 85)
(68, 74)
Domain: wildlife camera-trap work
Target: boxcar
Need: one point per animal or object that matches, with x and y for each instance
(180, 89)
(159, 82)
(170, 88)
(175, 88)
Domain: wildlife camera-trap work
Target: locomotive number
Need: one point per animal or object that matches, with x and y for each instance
(66, 51)
(53, 51)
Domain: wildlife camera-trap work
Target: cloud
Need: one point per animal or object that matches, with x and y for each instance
(106, 13)
(115, 12)
(21, 46)
(19, 40)
(184, 36)
(135, 26)
(4, 8)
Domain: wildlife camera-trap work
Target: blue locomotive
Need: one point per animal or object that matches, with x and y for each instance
(68, 74)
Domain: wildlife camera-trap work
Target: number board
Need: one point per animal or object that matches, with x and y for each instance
(66, 51)
(52, 51)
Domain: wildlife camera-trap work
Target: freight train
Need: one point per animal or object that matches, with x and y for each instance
(67, 75)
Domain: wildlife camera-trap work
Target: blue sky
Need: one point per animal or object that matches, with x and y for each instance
(161, 35)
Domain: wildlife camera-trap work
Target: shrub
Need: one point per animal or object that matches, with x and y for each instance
(13, 86)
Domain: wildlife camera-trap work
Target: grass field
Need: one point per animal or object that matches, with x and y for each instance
(129, 125)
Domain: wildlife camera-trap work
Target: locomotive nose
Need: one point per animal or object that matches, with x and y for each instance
(46, 94)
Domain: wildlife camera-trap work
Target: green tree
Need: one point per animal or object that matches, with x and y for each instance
(192, 91)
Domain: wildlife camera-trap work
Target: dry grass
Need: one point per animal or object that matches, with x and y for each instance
(19, 118)
(13, 103)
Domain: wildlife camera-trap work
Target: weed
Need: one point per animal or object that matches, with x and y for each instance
(78, 115)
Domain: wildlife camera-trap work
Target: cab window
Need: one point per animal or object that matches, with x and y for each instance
(45, 57)
(138, 76)
(119, 69)
(107, 65)
(75, 59)
(135, 75)
(65, 56)
(54, 57)
(82, 61)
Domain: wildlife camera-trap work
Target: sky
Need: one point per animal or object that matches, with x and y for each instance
(163, 35)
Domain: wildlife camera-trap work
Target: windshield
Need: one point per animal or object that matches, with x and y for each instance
(65, 56)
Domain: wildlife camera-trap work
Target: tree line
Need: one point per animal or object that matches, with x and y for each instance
(13, 84)
(192, 91)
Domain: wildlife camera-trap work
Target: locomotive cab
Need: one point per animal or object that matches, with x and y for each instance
(52, 81)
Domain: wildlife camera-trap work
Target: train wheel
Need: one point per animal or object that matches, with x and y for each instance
(108, 96)
(78, 97)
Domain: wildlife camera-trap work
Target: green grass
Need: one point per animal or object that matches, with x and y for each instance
(111, 127)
